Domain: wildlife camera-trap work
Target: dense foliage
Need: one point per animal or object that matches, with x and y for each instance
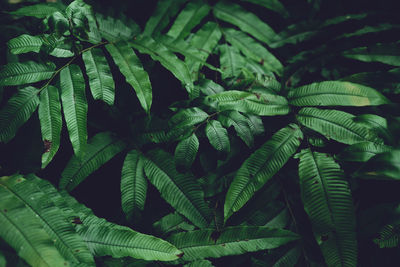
(200, 130)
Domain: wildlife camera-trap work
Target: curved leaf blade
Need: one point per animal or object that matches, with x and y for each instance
(185, 152)
(381, 166)
(218, 136)
(231, 61)
(25, 72)
(240, 123)
(362, 152)
(40, 11)
(24, 44)
(101, 148)
(261, 166)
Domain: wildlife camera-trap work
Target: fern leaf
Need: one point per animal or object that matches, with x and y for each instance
(114, 30)
(388, 236)
(290, 258)
(234, 240)
(384, 53)
(255, 123)
(58, 47)
(188, 18)
(133, 184)
(172, 222)
(160, 53)
(131, 67)
(100, 149)
(218, 136)
(50, 122)
(124, 242)
(180, 190)
(165, 10)
(261, 104)
(327, 200)
(335, 93)
(40, 11)
(382, 166)
(254, 50)
(34, 206)
(335, 124)
(274, 5)
(17, 111)
(261, 166)
(231, 61)
(199, 263)
(246, 21)
(362, 152)
(101, 81)
(185, 152)
(187, 118)
(26, 72)
(240, 123)
(24, 44)
(209, 87)
(75, 106)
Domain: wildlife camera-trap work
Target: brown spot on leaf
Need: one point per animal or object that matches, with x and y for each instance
(223, 245)
(77, 250)
(77, 220)
(238, 80)
(180, 255)
(47, 146)
(262, 61)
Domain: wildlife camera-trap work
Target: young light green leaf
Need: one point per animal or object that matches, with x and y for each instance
(185, 152)
(180, 190)
(234, 240)
(101, 81)
(335, 93)
(133, 184)
(25, 72)
(165, 10)
(261, 166)
(74, 106)
(231, 61)
(25, 43)
(240, 123)
(131, 67)
(246, 21)
(327, 200)
(39, 11)
(188, 18)
(218, 136)
(50, 122)
(335, 124)
(101, 148)
(254, 50)
(17, 111)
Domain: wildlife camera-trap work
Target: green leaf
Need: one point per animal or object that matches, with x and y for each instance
(335, 124)
(100, 148)
(124, 242)
(208, 87)
(39, 10)
(131, 67)
(273, 5)
(165, 10)
(231, 61)
(218, 136)
(234, 240)
(180, 190)
(335, 93)
(75, 106)
(24, 44)
(172, 222)
(114, 30)
(256, 124)
(362, 152)
(199, 263)
(381, 166)
(30, 204)
(254, 50)
(188, 18)
(240, 123)
(262, 104)
(388, 237)
(261, 166)
(133, 184)
(290, 258)
(17, 111)
(50, 122)
(160, 53)
(384, 53)
(185, 152)
(327, 200)
(25, 72)
(101, 81)
(246, 21)
(185, 119)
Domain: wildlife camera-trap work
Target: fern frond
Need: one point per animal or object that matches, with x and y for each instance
(384, 53)
(185, 152)
(133, 184)
(114, 30)
(335, 93)
(101, 81)
(209, 87)
(74, 106)
(199, 263)
(274, 5)
(50, 122)
(17, 111)
(25, 72)
(335, 124)
(131, 67)
(246, 21)
(327, 200)
(388, 236)
(231, 61)
(261, 166)
(362, 152)
(180, 190)
(186, 118)
(218, 136)
(240, 123)
(207, 243)
(172, 222)
(101, 148)
(39, 11)
(24, 44)
(382, 166)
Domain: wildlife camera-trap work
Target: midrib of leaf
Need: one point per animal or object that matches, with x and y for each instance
(98, 74)
(217, 135)
(161, 19)
(49, 117)
(28, 73)
(330, 93)
(109, 244)
(230, 59)
(71, 254)
(26, 238)
(210, 33)
(192, 15)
